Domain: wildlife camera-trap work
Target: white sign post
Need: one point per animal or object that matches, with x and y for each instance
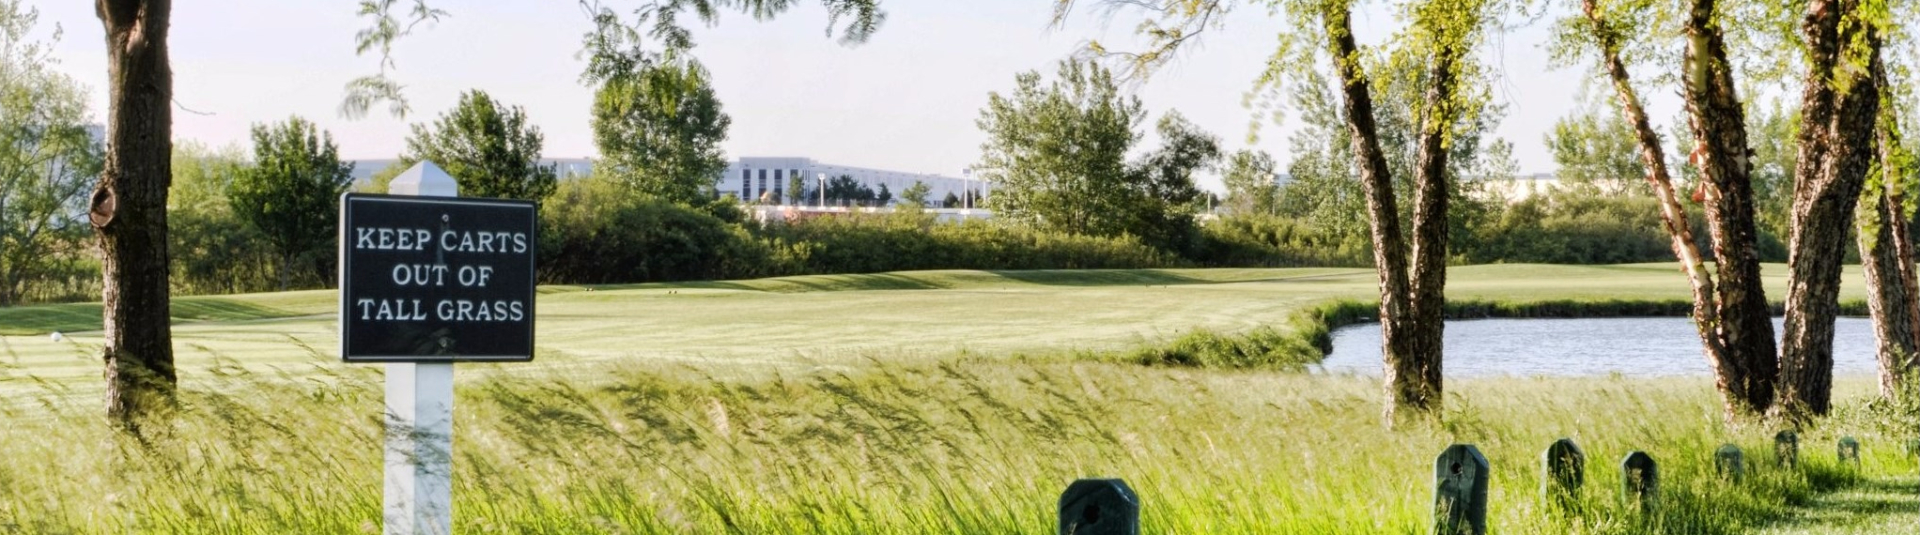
(419, 456)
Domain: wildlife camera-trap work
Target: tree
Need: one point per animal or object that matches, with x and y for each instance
(1437, 43)
(915, 196)
(1057, 152)
(845, 190)
(214, 251)
(128, 211)
(796, 189)
(1252, 181)
(884, 197)
(1595, 151)
(382, 179)
(48, 161)
(950, 201)
(292, 192)
(1887, 257)
(487, 147)
(1839, 108)
(1164, 197)
(659, 130)
(1056, 155)
(1730, 308)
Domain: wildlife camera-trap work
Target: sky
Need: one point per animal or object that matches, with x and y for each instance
(907, 100)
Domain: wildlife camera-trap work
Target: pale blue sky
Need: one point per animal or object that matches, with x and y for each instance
(906, 101)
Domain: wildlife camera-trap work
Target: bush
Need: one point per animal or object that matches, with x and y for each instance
(593, 232)
(1276, 241)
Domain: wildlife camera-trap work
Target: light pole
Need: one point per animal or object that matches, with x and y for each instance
(823, 189)
(966, 192)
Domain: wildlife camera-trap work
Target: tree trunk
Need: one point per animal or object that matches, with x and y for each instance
(1748, 367)
(1672, 214)
(1886, 254)
(1410, 319)
(128, 210)
(1838, 112)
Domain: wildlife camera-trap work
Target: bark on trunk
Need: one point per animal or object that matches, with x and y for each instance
(1886, 254)
(1412, 298)
(1672, 214)
(128, 210)
(1748, 368)
(1838, 111)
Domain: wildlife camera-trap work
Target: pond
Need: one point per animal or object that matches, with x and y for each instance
(1580, 347)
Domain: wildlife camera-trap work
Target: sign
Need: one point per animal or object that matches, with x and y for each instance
(426, 279)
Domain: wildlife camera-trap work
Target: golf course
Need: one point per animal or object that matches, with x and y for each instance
(918, 402)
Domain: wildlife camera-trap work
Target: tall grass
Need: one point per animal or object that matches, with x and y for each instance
(961, 446)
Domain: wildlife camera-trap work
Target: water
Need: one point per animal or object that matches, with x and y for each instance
(1580, 347)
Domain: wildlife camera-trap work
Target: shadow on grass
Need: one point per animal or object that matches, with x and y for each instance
(78, 317)
(1859, 505)
(1100, 277)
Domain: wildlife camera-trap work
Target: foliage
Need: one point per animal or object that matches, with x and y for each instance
(487, 147)
(48, 163)
(843, 190)
(592, 231)
(212, 250)
(291, 194)
(915, 196)
(379, 182)
(1056, 155)
(1252, 180)
(1596, 150)
(659, 130)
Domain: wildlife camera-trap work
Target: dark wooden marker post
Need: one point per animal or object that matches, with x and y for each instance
(1099, 507)
(1639, 481)
(1563, 469)
(428, 279)
(1786, 448)
(1729, 462)
(1850, 451)
(1460, 476)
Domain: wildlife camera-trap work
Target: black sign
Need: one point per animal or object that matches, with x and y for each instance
(436, 279)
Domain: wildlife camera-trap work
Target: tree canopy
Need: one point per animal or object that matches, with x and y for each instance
(489, 148)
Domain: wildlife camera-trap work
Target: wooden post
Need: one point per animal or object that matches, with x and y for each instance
(419, 453)
(1850, 451)
(1786, 448)
(1460, 475)
(1099, 507)
(1639, 481)
(1729, 462)
(1563, 469)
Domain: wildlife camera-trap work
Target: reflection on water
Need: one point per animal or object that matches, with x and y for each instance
(1599, 346)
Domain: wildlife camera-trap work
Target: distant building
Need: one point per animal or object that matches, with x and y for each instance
(754, 178)
(750, 178)
(1518, 187)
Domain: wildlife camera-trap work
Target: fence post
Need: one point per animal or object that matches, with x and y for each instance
(1563, 470)
(1640, 481)
(1729, 462)
(1099, 507)
(1460, 491)
(1786, 448)
(1850, 451)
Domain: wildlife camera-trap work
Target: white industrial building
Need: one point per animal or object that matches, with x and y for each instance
(756, 179)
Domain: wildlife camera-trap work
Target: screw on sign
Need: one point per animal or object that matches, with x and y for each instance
(1850, 451)
(1563, 471)
(1639, 481)
(1786, 448)
(1460, 476)
(1729, 462)
(1099, 507)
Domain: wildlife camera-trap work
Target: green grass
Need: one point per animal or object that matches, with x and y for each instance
(931, 402)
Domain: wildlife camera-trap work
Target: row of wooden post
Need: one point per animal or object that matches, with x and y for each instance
(1461, 477)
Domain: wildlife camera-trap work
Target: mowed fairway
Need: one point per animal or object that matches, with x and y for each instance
(837, 321)
(898, 403)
